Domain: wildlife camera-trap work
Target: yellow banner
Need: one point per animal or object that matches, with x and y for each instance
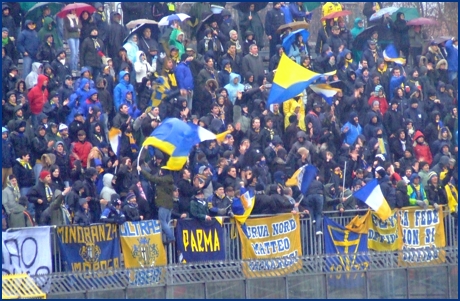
(276, 238)
(142, 244)
(384, 235)
(422, 232)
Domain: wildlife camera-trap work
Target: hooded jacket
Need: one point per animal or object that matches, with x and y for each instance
(108, 190)
(173, 41)
(452, 56)
(90, 55)
(233, 88)
(422, 151)
(44, 31)
(32, 78)
(28, 41)
(356, 30)
(38, 96)
(121, 89)
(184, 76)
(142, 68)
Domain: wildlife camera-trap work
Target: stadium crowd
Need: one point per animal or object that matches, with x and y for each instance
(396, 123)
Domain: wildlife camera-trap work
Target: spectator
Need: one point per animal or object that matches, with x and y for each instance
(131, 209)
(112, 213)
(19, 217)
(28, 43)
(83, 216)
(416, 192)
(199, 207)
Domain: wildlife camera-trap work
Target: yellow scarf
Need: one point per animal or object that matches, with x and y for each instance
(348, 62)
(339, 174)
(25, 164)
(172, 79)
(229, 69)
(132, 142)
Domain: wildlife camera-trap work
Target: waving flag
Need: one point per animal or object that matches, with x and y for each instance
(290, 80)
(242, 207)
(302, 178)
(390, 54)
(326, 91)
(372, 195)
(114, 139)
(176, 138)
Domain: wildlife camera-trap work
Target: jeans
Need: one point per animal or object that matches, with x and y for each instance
(189, 100)
(314, 204)
(164, 215)
(95, 71)
(74, 45)
(30, 206)
(37, 169)
(26, 66)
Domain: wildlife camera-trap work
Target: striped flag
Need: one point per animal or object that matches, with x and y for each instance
(372, 195)
(302, 178)
(326, 91)
(390, 54)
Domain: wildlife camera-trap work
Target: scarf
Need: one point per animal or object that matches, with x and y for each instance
(4, 41)
(49, 193)
(229, 69)
(377, 6)
(15, 190)
(172, 79)
(403, 145)
(72, 18)
(24, 164)
(237, 45)
(381, 146)
(271, 132)
(66, 215)
(339, 173)
(102, 15)
(132, 142)
(348, 62)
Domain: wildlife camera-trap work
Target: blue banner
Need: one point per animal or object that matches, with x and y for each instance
(346, 245)
(89, 248)
(200, 241)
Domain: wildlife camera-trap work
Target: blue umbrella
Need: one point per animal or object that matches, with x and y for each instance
(287, 41)
(165, 21)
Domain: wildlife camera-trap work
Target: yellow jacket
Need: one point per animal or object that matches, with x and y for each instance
(452, 197)
(289, 107)
(329, 8)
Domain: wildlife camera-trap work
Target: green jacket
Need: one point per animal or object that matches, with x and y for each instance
(199, 209)
(174, 42)
(413, 195)
(45, 30)
(164, 189)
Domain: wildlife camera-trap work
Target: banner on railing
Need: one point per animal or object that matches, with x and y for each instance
(422, 232)
(347, 246)
(142, 244)
(27, 251)
(384, 235)
(200, 241)
(275, 244)
(84, 248)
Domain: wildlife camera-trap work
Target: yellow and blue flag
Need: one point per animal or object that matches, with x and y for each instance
(325, 91)
(290, 80)
(114, 139)
(390, 54)
(176, 138)
(372, 195)
(302, 178)
(242, 207)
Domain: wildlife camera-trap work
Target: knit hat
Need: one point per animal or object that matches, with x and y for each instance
(130, 195)
(378, 88)
(432, 174)
(259, 187)
(202, 169)
(97, 162)
(4, 129)
(115, 200)
(63, 127)
(82, 201)
(380, 171)
(44, 174)
(5, 29)
(217, 185)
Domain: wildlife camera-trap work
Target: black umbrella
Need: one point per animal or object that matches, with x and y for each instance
(244, 6)
(207, 18)
(361, 39)
(140, 28)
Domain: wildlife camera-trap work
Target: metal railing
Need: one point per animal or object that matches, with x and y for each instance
(383, 279)
(312, 244)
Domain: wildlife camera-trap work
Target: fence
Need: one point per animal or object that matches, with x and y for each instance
(311, 244)
(383, 279)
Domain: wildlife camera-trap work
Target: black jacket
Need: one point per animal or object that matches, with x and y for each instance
(25, 176)
(89, 54)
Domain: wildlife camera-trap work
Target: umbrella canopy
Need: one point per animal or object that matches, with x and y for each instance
(207, 18)
(309, 6)
(422, 21)
(134, 23)
(294, 26)
(35, 12)
(383, 11)
(79, 8)
(336, 15)
(165, 21)
(290, 38)
(140, 29)
(410, 13)
(217, 9)
(244, 6)
(361, 40)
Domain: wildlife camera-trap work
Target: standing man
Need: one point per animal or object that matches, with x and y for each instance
(92, 53)
(28, 44)
(273, 20)
(41, 194)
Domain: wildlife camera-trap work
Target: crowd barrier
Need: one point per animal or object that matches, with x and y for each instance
(312, 245)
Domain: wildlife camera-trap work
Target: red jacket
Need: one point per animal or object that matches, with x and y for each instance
(422, 152)
(82, 151)
(382, 101)
(37, 96)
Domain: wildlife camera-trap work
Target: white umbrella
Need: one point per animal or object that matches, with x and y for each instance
(165, 21)
(383, 11)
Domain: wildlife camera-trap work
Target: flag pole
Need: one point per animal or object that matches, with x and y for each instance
(344, 173)
(138, 158)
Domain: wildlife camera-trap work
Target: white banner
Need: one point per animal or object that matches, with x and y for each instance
(27, 251)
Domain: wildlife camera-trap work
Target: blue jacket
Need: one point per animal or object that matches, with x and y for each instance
(184, 76)
(352, 134)
(133, 111)
(87, 103)
(233, 88)
(452, 56)
(8, 157)
(287, 14)
(28, 41)
(395, 82)
(76, 84)
(120, 90)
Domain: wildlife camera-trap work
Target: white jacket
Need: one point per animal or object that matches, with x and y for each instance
(142, 67)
